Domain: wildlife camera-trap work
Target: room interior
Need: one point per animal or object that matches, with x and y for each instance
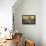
(23, 23)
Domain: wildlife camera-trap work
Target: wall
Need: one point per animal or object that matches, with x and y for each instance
(43, 22)
(6, 13)
(29, 7)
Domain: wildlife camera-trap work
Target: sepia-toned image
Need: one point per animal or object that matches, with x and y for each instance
(28, 19)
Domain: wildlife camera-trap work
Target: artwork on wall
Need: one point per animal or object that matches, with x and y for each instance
(28, 19)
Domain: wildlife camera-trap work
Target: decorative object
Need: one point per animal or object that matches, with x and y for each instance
(28, 19)
(29, 43)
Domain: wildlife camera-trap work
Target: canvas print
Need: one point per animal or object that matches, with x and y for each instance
(28, 19)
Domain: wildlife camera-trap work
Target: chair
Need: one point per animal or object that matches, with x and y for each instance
(18, 37)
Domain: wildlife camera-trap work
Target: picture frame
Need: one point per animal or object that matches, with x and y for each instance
(28, 19)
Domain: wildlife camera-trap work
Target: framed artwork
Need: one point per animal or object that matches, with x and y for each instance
(28, 19)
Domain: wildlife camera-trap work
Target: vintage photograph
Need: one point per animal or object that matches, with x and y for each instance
(28, 19)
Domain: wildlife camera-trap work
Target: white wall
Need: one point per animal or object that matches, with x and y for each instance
(31, 7)
(6, 13)
(43, 22)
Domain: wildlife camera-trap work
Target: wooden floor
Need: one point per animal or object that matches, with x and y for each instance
(9, 43)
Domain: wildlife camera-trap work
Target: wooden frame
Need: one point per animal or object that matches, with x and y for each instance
(28, 19)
